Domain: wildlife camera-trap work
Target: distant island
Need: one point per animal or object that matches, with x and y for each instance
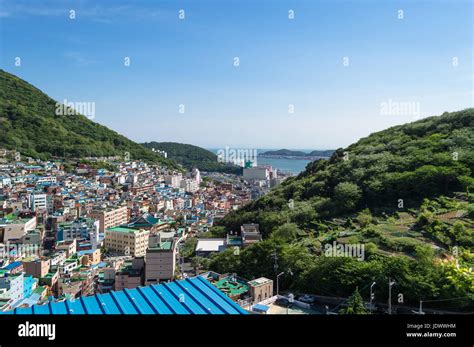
(299, 154)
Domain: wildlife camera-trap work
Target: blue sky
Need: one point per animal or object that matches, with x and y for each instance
(282, 62)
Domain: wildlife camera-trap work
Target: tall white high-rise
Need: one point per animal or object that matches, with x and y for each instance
(197, 175)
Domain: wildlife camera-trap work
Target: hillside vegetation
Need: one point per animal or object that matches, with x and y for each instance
(193, 157)
(404, 193)
(392, 170)
(30, 125)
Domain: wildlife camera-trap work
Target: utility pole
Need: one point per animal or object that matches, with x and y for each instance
(275, 266)
(390, 284)
(371, 297)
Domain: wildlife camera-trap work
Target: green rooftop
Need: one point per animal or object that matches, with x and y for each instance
(11, 216)
(166, 246)
(230, 287)
(124, 230)
(39, 290)
(49, 275)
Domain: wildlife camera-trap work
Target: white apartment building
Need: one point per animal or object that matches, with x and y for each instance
(58, 258)
(173, 181)
(5, 181)
(169, 205)
(189, 185)
(40, 202)
(86, 228)
(11, 288)
(46, 179)
(68, 266)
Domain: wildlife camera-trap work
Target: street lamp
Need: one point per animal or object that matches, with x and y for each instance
(371, 297)
(390, 285)
(278, 276)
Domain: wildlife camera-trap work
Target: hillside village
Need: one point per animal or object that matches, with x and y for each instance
(69, 230)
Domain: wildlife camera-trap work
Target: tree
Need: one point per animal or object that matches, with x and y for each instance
(226, 262)
(355, 305)
(303, 213)
(347, 195)
(370, 249)
(458, 229)
(364, 218)
(467, 183)
(189, 247)
(218, 231)
(199, 263)
(180, 221)
(286, 232)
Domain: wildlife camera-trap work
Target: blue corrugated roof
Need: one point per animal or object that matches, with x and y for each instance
(190, 296)
(12, 265)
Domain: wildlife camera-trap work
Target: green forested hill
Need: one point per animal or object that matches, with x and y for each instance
(405, 194)
(285, 152)
(29, 124)
(400, 165)
(193, 157)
